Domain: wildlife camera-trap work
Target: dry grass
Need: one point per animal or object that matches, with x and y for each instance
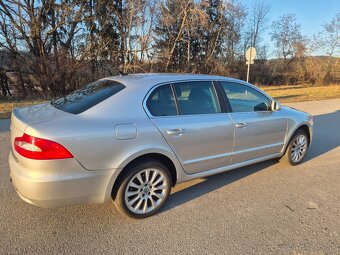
(299, 93)
(284, 94)
(6, 106)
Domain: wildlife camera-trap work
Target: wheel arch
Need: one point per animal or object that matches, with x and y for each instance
(305, 127)
(166, 160)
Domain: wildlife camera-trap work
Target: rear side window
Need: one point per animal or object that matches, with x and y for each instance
(197, 97)
(83, 99)
(161, 102)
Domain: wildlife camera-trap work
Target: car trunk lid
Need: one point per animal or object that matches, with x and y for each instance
(21, 118)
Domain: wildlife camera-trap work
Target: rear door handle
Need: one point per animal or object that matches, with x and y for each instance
(240, 125)
(177, 131)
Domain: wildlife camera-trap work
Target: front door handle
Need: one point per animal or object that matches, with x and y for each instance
(177, 131)
(241, 125)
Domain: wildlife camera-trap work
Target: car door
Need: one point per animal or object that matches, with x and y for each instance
(259, 132)
(189, 116)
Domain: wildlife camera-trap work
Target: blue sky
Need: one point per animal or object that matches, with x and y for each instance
(311, 14)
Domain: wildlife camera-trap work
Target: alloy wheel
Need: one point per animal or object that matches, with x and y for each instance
(299, 148)
(146, 190)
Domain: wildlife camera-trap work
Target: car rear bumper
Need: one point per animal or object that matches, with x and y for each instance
(58, 183)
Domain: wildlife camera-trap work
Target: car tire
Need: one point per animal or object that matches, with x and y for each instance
(297, 148)
(143, 190)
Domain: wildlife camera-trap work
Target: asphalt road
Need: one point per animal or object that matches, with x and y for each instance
(267, 208)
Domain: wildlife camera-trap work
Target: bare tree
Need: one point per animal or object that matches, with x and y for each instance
(178, 32)
(327, 42)
(257, 23)
(39, 36)
(52, 47)
(286, 34)
(235, 18)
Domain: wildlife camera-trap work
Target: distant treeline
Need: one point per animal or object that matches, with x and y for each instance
(48, 48)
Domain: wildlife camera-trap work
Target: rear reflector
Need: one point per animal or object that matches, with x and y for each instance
(41, 149)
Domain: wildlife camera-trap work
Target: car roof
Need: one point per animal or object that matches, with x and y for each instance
(151, 79)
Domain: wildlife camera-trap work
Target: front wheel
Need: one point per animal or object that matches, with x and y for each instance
(297, 148)
(144, 189)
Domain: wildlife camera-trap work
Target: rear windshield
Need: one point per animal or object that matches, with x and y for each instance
(83, 99)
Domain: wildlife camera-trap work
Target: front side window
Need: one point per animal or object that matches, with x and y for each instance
(83, 99)
(161, 102)
(196, 97)
(245, 99)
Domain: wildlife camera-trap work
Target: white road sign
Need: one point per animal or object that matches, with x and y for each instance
(251, 54)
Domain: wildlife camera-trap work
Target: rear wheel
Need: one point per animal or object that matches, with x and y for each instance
(144, 189)
(297, 148)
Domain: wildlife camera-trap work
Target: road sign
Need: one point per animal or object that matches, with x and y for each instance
(251, 53)
(250, 56)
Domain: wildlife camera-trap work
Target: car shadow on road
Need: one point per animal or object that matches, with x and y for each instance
(212, 183)
(326, 134)
(325, 138)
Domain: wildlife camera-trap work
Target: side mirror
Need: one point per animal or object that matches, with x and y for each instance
(262, 107)
(275, 105)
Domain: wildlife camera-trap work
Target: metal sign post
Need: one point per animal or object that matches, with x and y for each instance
(250, 56)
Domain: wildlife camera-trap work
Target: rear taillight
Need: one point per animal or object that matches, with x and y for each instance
(41, 149)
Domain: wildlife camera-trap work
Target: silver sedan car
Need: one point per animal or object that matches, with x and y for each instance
(131, 138)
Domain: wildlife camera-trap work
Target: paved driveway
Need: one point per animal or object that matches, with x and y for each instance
(267, 208)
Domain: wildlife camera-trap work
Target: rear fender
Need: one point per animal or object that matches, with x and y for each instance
(138, 152)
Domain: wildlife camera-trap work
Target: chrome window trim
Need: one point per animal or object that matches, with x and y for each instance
(179, 115)
(147, 96)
